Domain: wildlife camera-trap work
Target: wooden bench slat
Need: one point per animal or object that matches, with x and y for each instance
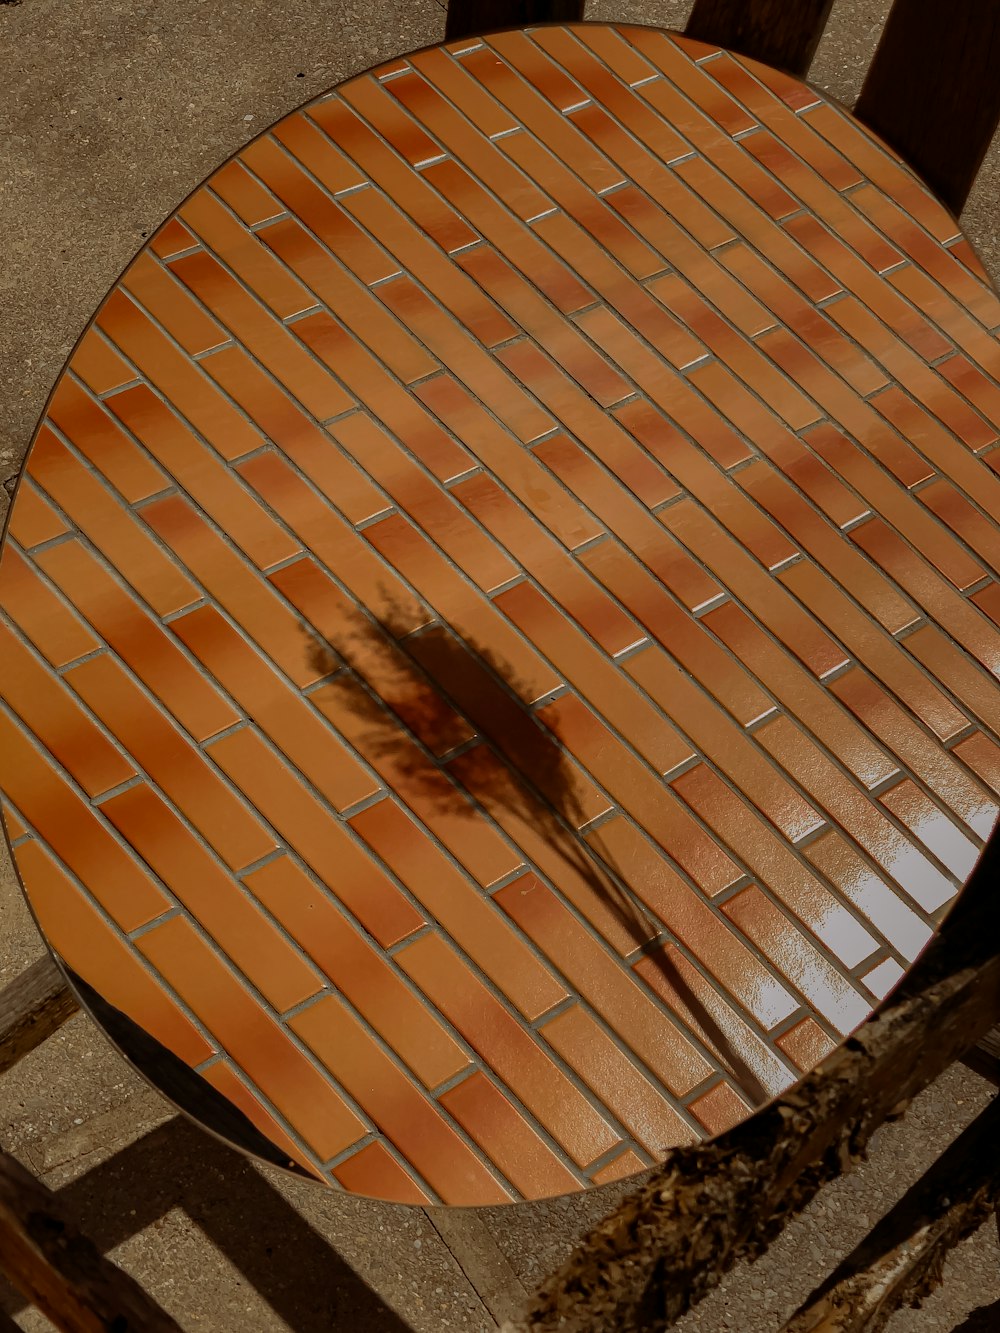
(33, 1006)
(777, 32)
(933, 93)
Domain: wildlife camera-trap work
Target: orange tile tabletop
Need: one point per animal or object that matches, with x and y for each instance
(500, 624)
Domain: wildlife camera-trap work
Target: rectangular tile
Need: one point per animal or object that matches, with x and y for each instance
(98, 364)
(322, 158)
(931, 826)
(173, 237)
(294, 725)
(360, 972)
(224, 1078)
(621, 1167)
(171, 761)
(509, 1049)
(831, 994)
(326, 847)
(286, 1076)
(376, 1174)
(983, 756)
(138, 640)
(244, 194)
(470, 919)
(212, 897)
(170, 305)
(77, 834)
(111, 527)
(48, 709)
(806, 1044)
(720, 1108)
(76, 930)
(33, 519)
(957, 512)
(405, 1115)
(56, 631)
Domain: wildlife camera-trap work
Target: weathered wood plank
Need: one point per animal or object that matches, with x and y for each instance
(778, 33)
(60, 1271)
(932, 90)
(899, 1263)
(984, 1057)
(32, 1007)
(709, 1205)
(466, 18)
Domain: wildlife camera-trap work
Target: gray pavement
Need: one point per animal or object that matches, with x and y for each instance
(109, 115)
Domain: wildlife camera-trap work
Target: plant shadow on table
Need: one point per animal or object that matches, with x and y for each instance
(452, 728)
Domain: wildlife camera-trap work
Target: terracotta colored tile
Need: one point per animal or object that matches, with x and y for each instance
(800, 694)
(462, 607)
(109, 525)
(545, 560)
(852, 809)
(290, 721)
(32, 519)
(970, 381)
(46, 707)
(138, 640)
(171, 761)
(56, 631)
(470, 919)
(169, 304)
(510, 1049)
(988, 601)
(334, 542)
(173, 237)
(931, 826)
(716, 1021)
(359, 971)
(806, 1044)
(422, 499)
(941, 447)
(642, 1107)
(98, 436)
(964, 252)
(275, 629)
(318, 154)
(943, 603)
(244, 194)
(98, 364)
(884, 978)
(375, 1173)
(224, 1079)
(316, 215)
(418, 782)
(643, 1025)
(938, 771)
(429, 211)
(831, 994)
(983, 756)
(14, 825)
(246, 256)
(951, 316)
(406, 134)
(76, 834)
(263, 1050)
(720, 1108)
(265, 337)
(508, 1139)
(769, 858)
(183, 383)
(640, 793)
(339, 861)
(424, 261)
(546, 498)
(212, 897)
(342, 626)
(78, 932)
(623, 1166)
(607, 42)
(397, 1107)
(465, 92)
(826, 545)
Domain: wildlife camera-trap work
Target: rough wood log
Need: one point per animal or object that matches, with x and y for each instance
(32, 1007)
(900, 1261)
(466, 18)
(774, 31)
(60, 1271)
(709, 1205)
(932, 90)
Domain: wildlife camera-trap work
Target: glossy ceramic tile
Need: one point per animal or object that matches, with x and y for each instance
(499, 628)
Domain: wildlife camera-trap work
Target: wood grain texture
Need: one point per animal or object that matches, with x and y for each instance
(899, 1263)
(932, 91)
(32, 1007)
(774, 31)
(467, 17)
(60, 1270)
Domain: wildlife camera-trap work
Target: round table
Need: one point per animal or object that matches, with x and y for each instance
(499, 622)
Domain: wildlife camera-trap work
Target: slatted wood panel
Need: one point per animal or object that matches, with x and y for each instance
(500, 620)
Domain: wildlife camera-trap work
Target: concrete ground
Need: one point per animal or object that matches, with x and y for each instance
(109, 115)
